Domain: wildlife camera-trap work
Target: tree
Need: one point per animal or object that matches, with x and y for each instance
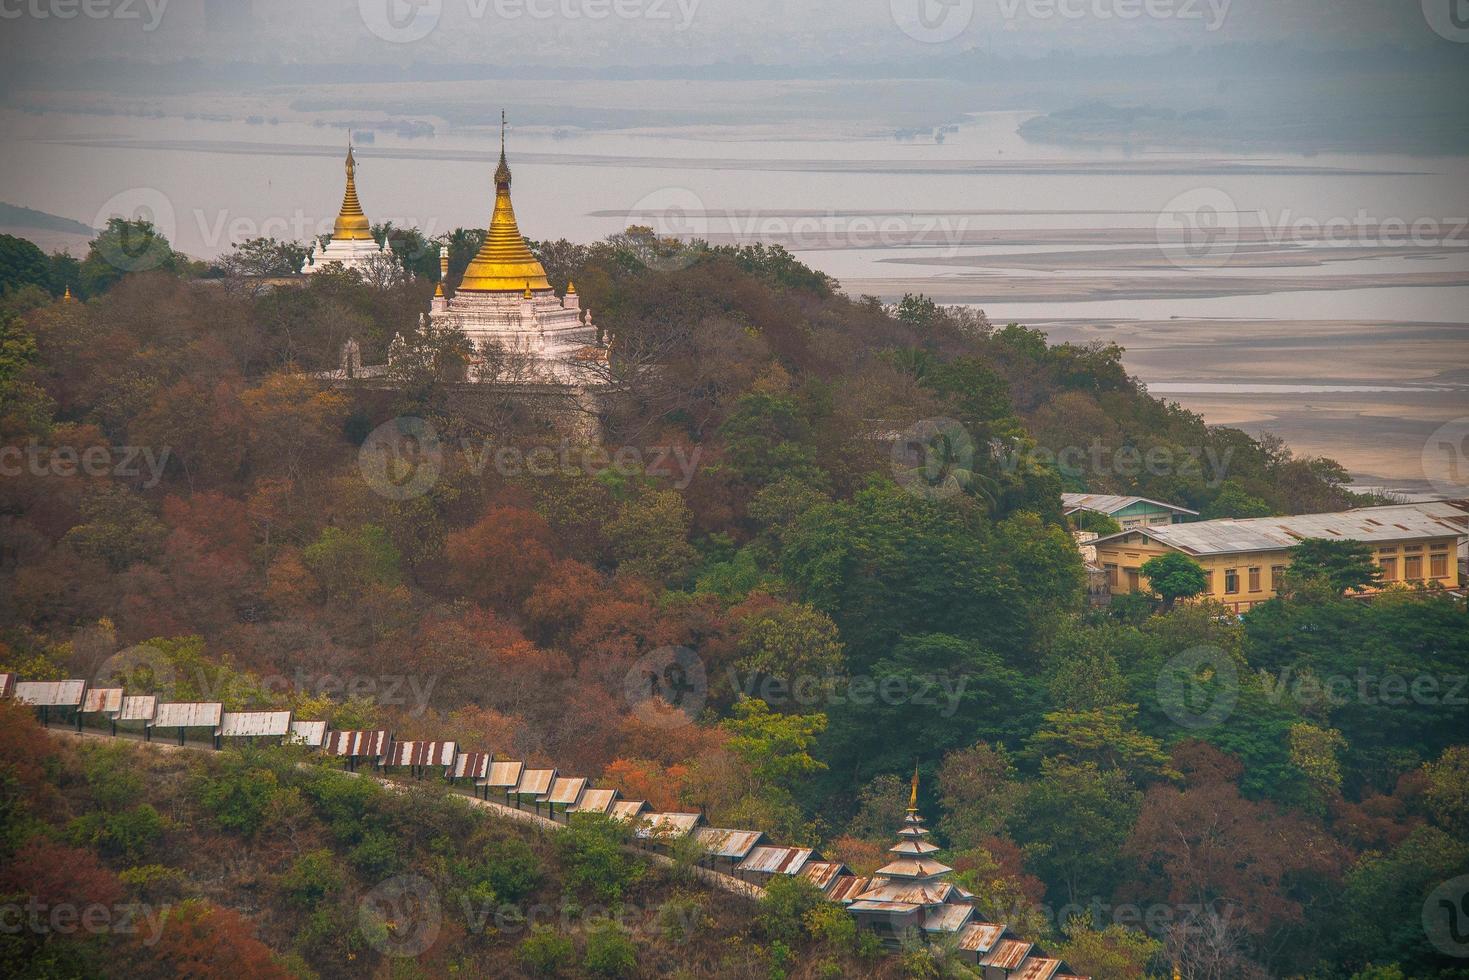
(1104, 737)
(1175, 576)
(610, 952)
(348, 563)
(1342, 565)
(265, 258)
(979, 793)
(22, 264)
(126, 246)
(1072, 824)
(776, 747)
(1447, 794)
(788, 640)
(1112, 953)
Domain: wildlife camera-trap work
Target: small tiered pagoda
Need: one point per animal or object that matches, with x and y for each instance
(352, 245)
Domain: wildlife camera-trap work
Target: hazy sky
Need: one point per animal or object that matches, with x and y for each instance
(601, 33)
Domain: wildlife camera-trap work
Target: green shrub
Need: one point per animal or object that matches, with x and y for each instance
(376, 855)
(610, 952)
(313, 877)
(593, 859)
(783, 910)
(238, 796)
(545, 952)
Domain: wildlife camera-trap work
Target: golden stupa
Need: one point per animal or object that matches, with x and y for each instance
(351, 223)
(503, 263)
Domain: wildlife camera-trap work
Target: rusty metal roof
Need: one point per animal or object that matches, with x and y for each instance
(504, 774)
(238, 724)
(1037, 968)
(312, 733)
(422, 754)
(902, 890)
(667, 826)
(1008, 954)
(472, 765)
(890, 908)
(846, 888)
(564, 791)
(595, 801)
(534, 782)
(627, 809)
(188, 714)
(7, 685)
(947, 918)
(104, 699)
(138, 707)
(980, 937)
(774, 860)
(730, 844)
(915, 868)
(823, 873)
(360, 744)
(50, 694)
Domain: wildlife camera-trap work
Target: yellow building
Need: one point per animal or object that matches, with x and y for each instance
(1246, 559)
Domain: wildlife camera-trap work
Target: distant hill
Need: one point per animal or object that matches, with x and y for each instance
(14, 216)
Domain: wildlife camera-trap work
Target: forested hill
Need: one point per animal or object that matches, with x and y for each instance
(180, 478)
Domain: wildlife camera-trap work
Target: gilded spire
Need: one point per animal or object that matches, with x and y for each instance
(504, 262)
(913, 795)
(67, 297)
(443, 271)
(351, 222)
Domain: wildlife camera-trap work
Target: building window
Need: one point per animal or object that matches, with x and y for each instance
(1231, 581)
(1389, 569)
(1438, 564)
(1277, 578)
(1208, 581)
(1111, 575)
(1254, 580)
(1413, 567)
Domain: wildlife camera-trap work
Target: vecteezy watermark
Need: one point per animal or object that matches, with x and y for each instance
(932, 21)
(150, 12)
(401, 916)
(406, 21)
(1210, 13)
(1157, 919)
(668, 677)
(1445, 458)
(1204, 227)
(942, 692)
(143, 667)
(1446, 917)
(1366, 688)
(121, 462)
(1099, 460)
(1448, 18)
(1199, 688)
(95, 919)
(933, 458)
(401, 459)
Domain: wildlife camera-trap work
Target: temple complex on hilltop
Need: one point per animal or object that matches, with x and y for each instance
(352, 245)
(521, 330)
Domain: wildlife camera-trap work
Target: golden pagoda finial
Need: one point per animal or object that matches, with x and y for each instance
(66, 298)
(527, 290)
(443, 271)
(570, 288)
(351, 222)
(913, 795)
(502, 172)
(503, 261)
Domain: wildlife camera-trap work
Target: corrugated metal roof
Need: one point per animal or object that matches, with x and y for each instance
(627, 809)
(1008, 954)
(823, 873)
(903, 890)
(240, 724)
(138, 707)
(947, 918)
(534, 782)
(188, 714)
(730, 844)
(7, 685)
(980, 937)
(564, 791)
(312, 733)
(50, 694)
(504, 775)
(891, 908)
(595, 801)
(667, 826)
(1229, 535)
(472, 765)
(774, 860)
(360, 744)
(437, 753)
(913, 868)
(846, 888)
(1037, 968)
(1111, 503)
(104, 699)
